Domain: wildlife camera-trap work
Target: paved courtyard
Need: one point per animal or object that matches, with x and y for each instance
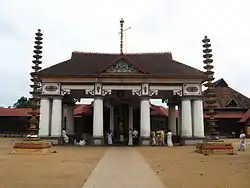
(88, 167)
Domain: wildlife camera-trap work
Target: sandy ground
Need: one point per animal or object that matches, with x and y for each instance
(181, 167)
(67, 168)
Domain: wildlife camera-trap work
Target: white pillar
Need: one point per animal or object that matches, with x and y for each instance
(56, 122)
(45, 115)
(186, 118)
(172, 119)
(111, 119)
(130, 123)
(198, 119)
(179, 120)
(70, 119)
(145, 121)
(98, 121)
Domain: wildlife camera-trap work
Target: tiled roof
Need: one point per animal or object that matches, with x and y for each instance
(245, 117)
(90, 64)
(15, 112)
(225, 94)
(83, 109)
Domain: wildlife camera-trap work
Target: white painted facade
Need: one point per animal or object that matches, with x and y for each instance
(190, 116)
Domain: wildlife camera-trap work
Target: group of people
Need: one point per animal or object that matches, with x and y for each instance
(133, 137)
(159, 137)
(78, 141)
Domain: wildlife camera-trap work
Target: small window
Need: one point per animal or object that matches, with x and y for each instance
(232, 103)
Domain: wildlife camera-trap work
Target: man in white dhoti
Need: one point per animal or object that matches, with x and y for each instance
(65, 137)
(242, 144)
(109, 137)
(169, 138)
(135, 137)
(130, 137)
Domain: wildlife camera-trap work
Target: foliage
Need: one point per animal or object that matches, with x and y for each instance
(23, 102)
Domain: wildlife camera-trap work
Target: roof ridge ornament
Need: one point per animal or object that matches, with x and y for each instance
(122, 32)
(121, 42)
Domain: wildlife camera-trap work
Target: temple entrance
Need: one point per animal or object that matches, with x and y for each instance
(121, 124)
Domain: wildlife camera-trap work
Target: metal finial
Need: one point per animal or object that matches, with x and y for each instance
(121, 42)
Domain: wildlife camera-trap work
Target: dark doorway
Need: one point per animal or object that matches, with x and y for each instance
(121, 123)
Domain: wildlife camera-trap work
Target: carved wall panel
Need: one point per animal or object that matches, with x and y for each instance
(192, 90)
(51, 89)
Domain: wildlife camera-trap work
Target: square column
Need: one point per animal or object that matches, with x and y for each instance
(56, 121)
(130, 124)
(179, 120)
(70, 119)
(45, 117)
(198, 119)
(172, 119)
(145, 121)
(186, 118)
(98, 138)
(111, 119)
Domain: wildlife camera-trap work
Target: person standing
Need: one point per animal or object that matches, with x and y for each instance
(65, 136)
(153, 135)
(135, 137)
(110, 139)
(169, 138)
(130, 137)
(242, 144)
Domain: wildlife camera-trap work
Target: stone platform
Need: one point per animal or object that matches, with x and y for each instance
(31, 146)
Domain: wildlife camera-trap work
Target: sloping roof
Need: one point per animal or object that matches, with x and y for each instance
(245, 117)
(220, 83)
(159, 110)
(24, 112)
(90, 64)
(15, 112)
(225, 94)
(83, 109)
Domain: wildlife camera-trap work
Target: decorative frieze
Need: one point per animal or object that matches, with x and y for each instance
(145, 91)
(121, 66)
(98, 90)
(51, 89)
(177, 92)
(153, 92)
(192, 90)
(136, 92)
(65, 92)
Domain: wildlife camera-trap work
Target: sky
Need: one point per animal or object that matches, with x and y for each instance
(177, 26)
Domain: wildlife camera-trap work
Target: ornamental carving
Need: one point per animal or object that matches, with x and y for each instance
(51, 89)
(65, 92)
(122, 66)
(192, 90)
(98, 90)
(145, 91)
(177, 92)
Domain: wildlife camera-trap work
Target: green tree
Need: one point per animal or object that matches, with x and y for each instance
(22, 102)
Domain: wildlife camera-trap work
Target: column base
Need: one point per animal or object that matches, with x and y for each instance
(184, 141)
(145, 141)
(98, 140)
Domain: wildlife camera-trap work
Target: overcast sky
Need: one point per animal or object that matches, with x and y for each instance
(92, 26)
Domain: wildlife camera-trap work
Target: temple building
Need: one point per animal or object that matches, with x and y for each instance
(230, 109)
(122, 85)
